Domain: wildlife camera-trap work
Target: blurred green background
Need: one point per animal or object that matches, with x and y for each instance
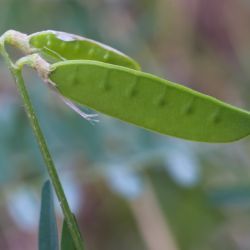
(132, 189)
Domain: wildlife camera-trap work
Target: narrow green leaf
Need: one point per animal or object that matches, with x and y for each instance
(67, 242)
(48, 236)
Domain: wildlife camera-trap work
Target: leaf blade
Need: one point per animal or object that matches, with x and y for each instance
(67, 242)
(48, 234)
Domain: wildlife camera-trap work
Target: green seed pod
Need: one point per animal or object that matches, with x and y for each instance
(149, 102)
(62, 46)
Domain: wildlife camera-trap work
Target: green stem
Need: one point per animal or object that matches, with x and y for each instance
(17, 74)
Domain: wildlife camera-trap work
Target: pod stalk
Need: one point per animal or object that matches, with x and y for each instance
(16, 70)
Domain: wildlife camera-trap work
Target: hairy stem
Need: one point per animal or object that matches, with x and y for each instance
(17, 74)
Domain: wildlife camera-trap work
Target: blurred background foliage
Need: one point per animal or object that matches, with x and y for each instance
(132, 189)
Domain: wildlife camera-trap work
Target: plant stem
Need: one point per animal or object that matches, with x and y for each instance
(17, 74)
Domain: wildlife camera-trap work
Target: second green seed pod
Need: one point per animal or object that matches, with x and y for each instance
(64, 46)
